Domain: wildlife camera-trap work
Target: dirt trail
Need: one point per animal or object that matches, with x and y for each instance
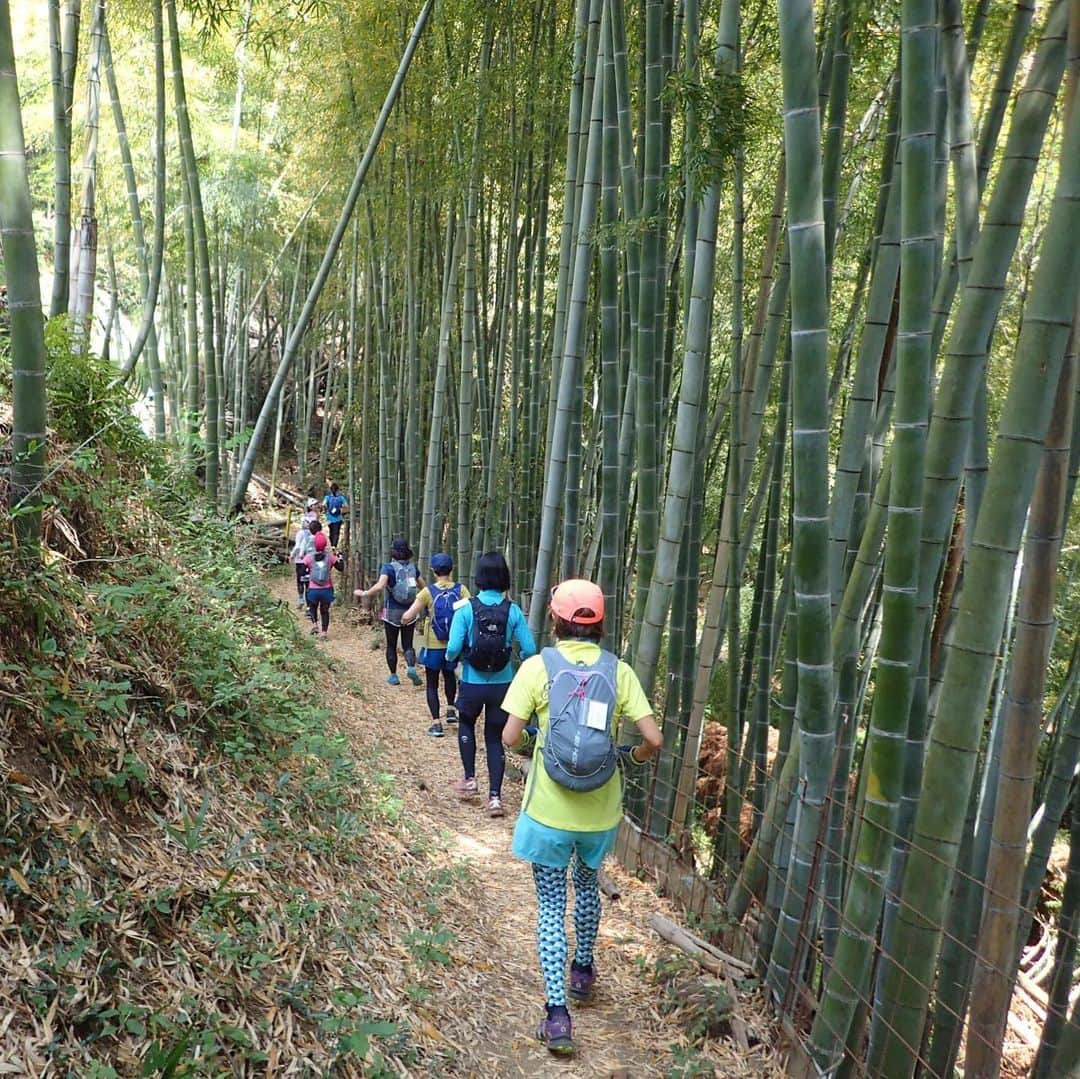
(490, 1003)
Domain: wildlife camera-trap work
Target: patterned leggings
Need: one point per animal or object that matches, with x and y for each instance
(551, 923)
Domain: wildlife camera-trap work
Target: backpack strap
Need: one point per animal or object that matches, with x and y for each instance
(475, 607)
(551, 658)
(606, 667)
(609, 666)
(555, 662)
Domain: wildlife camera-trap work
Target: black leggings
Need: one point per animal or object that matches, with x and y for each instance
(392, 632)
(301, 579)
(318, 606)
(335, 532)
(449, 686)
(473, 698)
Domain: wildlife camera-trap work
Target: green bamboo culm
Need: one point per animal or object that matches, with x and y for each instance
(63, 41)
(149, 264)
(146, 335)
(898, 655)
(650, 330)
(810, 408)
(693, 395)
(558, 418)
(571, 371)
(24, 307)
(972, 649)
(431, 518)
(963, 370)
(202, 254)
(610, 373)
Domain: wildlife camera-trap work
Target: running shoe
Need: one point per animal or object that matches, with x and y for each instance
(413, 676)
(495, 807)
(314, 631)
(451, 717)
(581, 981)
(435, 730)
(465, 788)
(554, 1031)
(300, 604)
(393, 680)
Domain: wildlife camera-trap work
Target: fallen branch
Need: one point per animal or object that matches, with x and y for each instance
(280, 492)
(711, 959)
(1026, 1033)
(738, 1027)
(707, 955)
(608, 887)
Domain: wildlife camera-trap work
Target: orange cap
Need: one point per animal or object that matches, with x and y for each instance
(578, 601)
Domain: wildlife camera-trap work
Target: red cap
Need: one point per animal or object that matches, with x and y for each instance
(320, 541)
(578, 601)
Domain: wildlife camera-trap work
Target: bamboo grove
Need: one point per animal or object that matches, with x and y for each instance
(763, 315)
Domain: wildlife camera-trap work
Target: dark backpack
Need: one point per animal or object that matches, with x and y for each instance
(443, 601)
(319, 576)
(489, 651)
(403, 590)
(579, 750)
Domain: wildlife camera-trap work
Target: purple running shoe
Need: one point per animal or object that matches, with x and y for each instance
(554, 1032)
(581, 982)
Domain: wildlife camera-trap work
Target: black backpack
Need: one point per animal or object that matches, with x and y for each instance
(489, 651)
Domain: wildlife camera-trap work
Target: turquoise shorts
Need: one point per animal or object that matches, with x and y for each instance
(538, 843)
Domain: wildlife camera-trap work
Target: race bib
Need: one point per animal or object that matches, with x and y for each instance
(597, 716)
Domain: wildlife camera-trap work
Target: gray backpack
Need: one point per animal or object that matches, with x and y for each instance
(403, 590)
(579, 747)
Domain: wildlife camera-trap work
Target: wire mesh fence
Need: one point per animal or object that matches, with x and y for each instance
(711, 864)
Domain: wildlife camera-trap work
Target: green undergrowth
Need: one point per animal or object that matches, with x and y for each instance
(196, 878)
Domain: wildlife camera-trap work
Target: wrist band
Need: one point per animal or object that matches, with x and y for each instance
(634, 757)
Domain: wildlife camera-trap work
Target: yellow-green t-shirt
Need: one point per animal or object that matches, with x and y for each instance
(545, 800)
(424, 598)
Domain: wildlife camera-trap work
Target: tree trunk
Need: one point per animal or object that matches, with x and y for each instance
(24, 307)
(810, 381)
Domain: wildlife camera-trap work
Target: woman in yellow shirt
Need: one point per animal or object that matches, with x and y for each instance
(566, 818)
(440, 599)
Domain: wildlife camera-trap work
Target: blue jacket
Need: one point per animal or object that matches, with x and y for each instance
(517, 629)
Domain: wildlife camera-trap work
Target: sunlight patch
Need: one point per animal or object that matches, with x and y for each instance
(474, 847)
